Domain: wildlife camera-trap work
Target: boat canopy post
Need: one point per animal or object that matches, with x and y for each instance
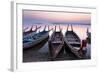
(71, 27)
(59, 27)
(31, 28)
(45, 28)
(87, 30)
(36, 28)
(67, 27)
(39, 27)
(55, 27)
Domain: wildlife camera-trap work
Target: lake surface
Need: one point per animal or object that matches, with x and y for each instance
(42, 54)
(81, 30)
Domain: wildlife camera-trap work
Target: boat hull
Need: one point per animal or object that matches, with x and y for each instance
(35, 42)
(29, 34)
(56, 48)
(72, 43)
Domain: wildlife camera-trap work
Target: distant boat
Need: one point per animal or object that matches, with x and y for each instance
(35, 39)
(56, 43)
(72, 42)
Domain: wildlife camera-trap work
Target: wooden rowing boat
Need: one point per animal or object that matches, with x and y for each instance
(56, 43)
(72, 42)
(35, 39)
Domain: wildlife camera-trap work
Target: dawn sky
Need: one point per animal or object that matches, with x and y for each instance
(44, 17)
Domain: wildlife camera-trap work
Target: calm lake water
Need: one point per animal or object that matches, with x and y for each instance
(79, 29)
(42, 54)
